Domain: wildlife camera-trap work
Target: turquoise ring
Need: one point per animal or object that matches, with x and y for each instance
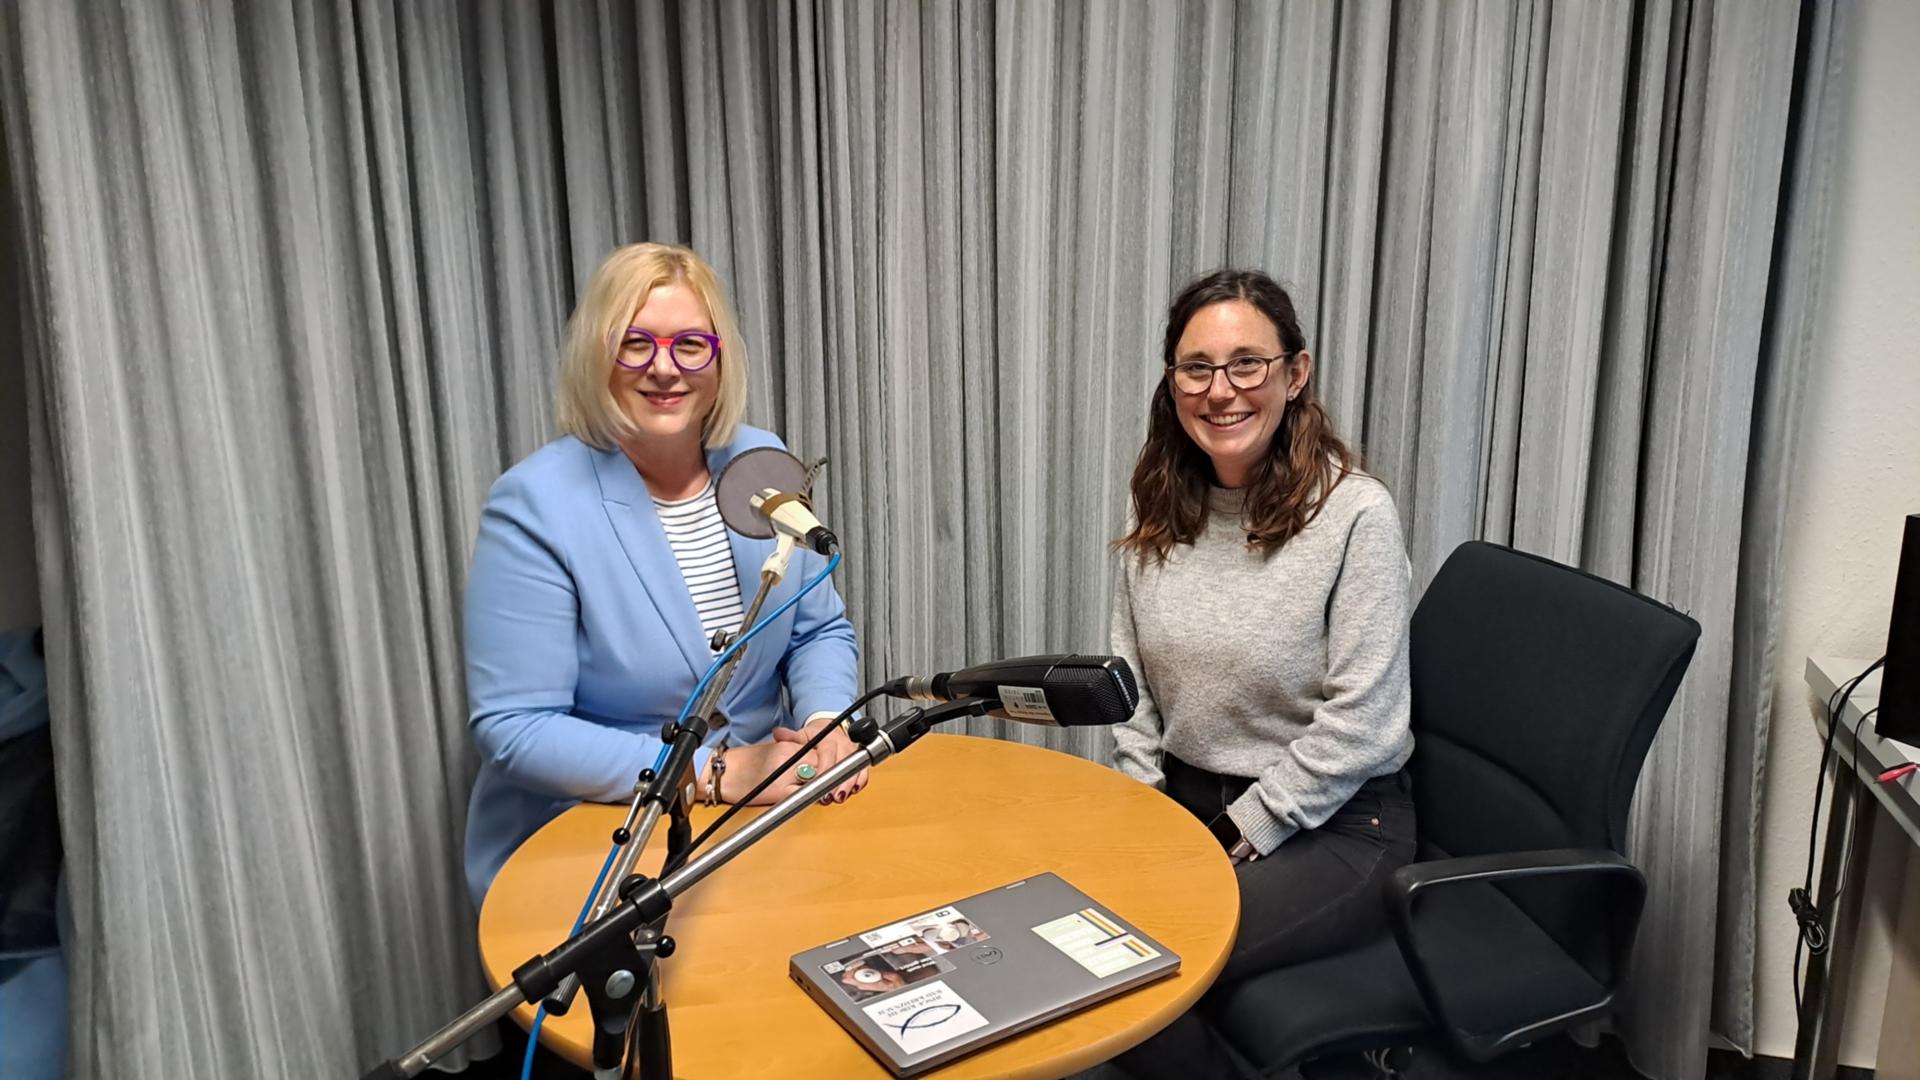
(806, 772)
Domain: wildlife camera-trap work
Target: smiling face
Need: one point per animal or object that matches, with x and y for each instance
(1235, 427)
(668, 406)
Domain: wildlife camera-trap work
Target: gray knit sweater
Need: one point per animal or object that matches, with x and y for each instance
(1290, 669)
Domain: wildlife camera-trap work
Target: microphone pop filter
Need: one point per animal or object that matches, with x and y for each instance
(748, 475)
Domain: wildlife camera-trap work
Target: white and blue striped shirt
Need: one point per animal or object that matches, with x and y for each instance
(699, 540)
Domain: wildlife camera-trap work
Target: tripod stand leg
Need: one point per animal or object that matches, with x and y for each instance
(616, 981)
(655, 1042)
(611, 1016)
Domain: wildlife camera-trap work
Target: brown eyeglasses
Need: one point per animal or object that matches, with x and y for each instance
(1243, 372)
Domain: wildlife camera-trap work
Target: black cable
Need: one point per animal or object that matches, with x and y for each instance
(767, 781)
(1813, 933)
(630, 1058)
(1853, 808)
(1814, 938)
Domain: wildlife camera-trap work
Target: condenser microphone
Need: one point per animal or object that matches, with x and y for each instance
(1062, 690)
(790, 514)
(762, 493)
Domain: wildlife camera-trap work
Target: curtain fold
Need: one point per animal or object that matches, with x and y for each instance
(296, 275)
(1703, 350)
(1785, 361)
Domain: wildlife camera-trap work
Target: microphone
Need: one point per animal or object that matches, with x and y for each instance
(762, 493)
(791, 516)
(1061, 690)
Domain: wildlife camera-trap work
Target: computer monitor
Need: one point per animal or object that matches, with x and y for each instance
(1899, 716)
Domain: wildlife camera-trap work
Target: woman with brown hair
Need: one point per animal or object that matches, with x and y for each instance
(1262, 600)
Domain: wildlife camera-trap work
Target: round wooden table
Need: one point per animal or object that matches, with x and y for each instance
(952, 816)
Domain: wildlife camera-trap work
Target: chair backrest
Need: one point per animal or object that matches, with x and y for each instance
(1537, 689)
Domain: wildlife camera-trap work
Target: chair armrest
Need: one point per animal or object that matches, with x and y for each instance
(1407, 883)
(1413, 877)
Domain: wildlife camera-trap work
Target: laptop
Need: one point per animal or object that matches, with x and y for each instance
(927, 989)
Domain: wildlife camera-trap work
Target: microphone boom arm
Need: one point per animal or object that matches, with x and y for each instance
(643, 901)
(655, 796)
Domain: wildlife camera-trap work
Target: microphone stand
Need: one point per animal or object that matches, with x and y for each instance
(605, 948)
(611, 986)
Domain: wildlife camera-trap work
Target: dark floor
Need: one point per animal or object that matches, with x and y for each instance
(1562, 1059)
(1557, 1059)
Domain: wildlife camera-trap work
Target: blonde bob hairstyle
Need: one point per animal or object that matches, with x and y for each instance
(586, 406)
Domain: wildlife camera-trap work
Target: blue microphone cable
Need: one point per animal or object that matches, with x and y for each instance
(540, 1014)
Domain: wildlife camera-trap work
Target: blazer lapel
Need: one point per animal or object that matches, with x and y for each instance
(630, 510)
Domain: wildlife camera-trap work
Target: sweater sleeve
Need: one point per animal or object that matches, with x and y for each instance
(1136, 743)
(1362, 729)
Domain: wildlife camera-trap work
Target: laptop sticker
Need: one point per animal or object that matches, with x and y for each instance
(925, 1017)
(895, 965)
(1096, 942)
(944, 931)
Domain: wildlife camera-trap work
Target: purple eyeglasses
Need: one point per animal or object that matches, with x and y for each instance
(691, 350)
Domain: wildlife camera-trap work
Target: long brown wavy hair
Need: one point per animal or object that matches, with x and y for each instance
(1287, 488)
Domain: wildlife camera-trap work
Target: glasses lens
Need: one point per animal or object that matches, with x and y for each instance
(636, 350)
(1192, 378)
(693, 352)
(1247, 372)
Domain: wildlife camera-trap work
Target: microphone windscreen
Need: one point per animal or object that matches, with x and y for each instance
(749, 474)
(1103, 687)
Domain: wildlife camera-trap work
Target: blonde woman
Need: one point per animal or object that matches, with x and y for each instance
(602, 571)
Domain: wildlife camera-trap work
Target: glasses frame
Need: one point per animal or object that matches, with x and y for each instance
(653, 354)
(1266, 372)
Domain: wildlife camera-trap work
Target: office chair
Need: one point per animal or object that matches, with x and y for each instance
(1537, 689)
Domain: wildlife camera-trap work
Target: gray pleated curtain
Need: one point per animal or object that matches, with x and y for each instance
(295, 275)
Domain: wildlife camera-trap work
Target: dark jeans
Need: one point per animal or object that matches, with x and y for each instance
(1318, 893)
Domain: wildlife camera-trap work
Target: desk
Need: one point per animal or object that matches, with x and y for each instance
(1823, 1011)
(952, 816)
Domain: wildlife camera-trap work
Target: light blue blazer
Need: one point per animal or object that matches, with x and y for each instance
(582, 642)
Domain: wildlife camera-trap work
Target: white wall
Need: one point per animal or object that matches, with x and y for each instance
(1859, 475)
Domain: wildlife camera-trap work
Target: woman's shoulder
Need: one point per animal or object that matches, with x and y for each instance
(1356, 493)
(747, 437)
(563, 456)
(549, 473)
